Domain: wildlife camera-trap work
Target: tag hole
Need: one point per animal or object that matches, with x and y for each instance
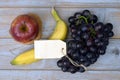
(63, 51)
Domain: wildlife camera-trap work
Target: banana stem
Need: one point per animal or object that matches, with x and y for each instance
(55, 15)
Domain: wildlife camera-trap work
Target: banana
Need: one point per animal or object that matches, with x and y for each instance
(26, 57)
(59, 33)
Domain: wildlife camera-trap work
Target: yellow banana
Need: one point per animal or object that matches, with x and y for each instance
(26, 57)
(59, 33)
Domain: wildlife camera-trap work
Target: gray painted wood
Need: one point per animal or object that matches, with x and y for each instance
(59, 3)
(109, 61)
(57, 75)
(106, 68)
(8, 14)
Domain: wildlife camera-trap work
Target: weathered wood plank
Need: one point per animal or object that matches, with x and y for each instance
(5, 20)
(10, 44)
(59, 3)
(8, 14)
(46, 31)
(47, 69)
(57, 75)
(104, 14)
(113, 15)
(110, 61)
(26, 3)
(90, 1)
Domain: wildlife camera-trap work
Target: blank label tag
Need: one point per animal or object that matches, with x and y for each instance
(46, 49)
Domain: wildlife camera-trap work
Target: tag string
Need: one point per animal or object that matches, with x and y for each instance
(73, 62)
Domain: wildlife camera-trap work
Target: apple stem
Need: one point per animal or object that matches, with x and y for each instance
(55, 14)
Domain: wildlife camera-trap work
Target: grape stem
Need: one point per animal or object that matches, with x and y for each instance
(92, 31)
(92, 22)
(82, 17)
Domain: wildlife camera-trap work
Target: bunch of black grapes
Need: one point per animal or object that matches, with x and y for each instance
(89, 40)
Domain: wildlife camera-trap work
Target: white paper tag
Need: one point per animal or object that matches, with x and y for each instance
(47, 49)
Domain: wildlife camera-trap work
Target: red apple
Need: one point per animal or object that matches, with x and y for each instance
(25, 29)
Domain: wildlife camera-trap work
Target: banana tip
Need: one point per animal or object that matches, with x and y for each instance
(13, 62)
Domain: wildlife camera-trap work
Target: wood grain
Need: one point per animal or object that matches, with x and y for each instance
(110, 61)
(104, 14)
(8, 14)
(106, 68)
(57, 75)
(58, 3)
(113, 15)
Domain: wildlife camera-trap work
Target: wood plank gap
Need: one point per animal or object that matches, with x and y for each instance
(72, 5)
(59, 69)
(104, 14)
(5, 37)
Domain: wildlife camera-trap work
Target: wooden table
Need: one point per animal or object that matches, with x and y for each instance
(106, 68)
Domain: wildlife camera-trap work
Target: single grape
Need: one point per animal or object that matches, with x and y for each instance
(89, 55)
(82, 58)
(71, 19)
(110, 34)
(77, 15)
(86, 63)
(97, 55)
(66, 63)
(64, 58)
(77, 38)
(101, 51)
(75, 55)
(106, 30)
(79, 33)
(69, 51)
(85, 36)
(78, 45)
(72, 44)
(72, 25)
(106, 42)
(100, 44)
(73, 30)
(105, 39)
(82, 69)
(84, 28)
(86, 13)
(73, 35)
(98, 26)
(73, 69)
(60, 63)
(93, 60)
(64, 69)
(104, 47)
(109, 26)
(97, 40)
(83, 51)
(93, 49)
(93, 19)
(89, 43)
(100, 35)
